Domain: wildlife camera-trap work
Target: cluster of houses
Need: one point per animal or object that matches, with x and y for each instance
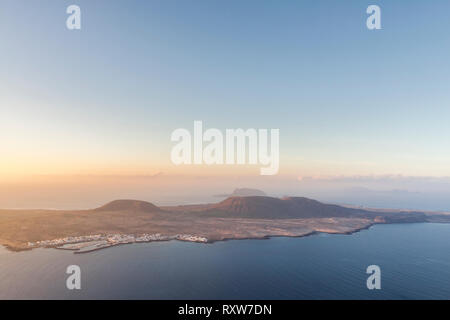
(66, 240)
(114, 239)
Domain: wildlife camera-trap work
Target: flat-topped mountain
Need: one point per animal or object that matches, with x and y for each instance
(243, 192)
(129, 205)
(276, 208)
(263, 207)
(247, 192)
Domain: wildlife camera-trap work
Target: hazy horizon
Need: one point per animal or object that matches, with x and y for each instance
(89, 191)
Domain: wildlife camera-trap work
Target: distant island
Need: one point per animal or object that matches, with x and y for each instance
(237, 217)
(243, 192)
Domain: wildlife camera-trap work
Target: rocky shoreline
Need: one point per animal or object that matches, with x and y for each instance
(90, 243)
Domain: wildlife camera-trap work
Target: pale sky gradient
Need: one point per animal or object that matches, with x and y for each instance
(104, 100)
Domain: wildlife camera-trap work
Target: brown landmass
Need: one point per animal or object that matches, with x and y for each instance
(233, 218)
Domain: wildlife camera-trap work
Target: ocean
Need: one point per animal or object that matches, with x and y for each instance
(414, 260)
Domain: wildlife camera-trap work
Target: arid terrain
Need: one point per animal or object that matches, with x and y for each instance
(233, 218)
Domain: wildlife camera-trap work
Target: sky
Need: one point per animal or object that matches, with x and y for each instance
(104, 100)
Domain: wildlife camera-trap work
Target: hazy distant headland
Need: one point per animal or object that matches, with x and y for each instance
(242, 192)
(237, 217)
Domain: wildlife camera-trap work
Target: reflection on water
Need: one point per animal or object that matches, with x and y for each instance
(414, 261)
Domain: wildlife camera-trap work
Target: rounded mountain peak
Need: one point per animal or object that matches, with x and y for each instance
(129, 205)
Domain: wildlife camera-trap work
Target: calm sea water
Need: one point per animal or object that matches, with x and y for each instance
(414, 261)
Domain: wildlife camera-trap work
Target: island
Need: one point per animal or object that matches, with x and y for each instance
(237, 217)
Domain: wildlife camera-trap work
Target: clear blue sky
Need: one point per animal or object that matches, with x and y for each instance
(347, 100)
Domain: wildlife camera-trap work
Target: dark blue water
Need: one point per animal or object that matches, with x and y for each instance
(414, 261)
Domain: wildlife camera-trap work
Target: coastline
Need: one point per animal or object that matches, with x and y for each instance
(174, 238)
(130, 221)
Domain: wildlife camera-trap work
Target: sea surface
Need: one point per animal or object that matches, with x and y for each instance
(414, 261)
